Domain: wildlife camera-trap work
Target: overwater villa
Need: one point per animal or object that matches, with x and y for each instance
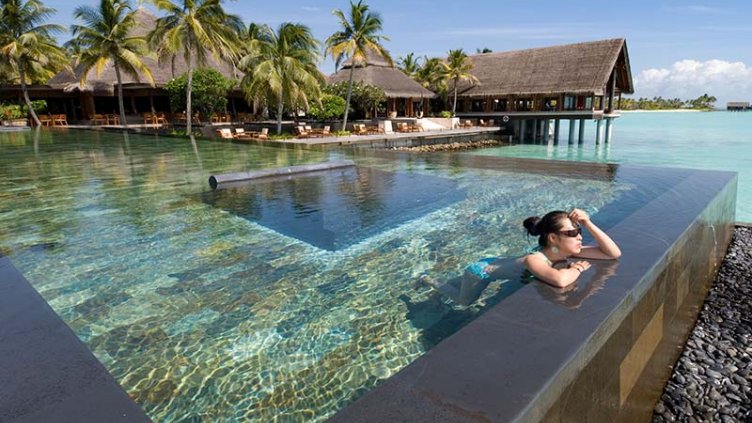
(533, 87)
(405, 96)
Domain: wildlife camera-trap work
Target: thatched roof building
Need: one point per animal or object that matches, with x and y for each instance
(65, 94)
(566, 77)
(404, 94)
(104, 83)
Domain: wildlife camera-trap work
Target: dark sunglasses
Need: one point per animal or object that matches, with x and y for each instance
(572, 233)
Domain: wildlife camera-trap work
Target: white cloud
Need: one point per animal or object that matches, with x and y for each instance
(688, 79)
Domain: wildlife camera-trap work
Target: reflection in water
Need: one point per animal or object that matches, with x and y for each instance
(336, 208)
(574, 295)
(196, 153)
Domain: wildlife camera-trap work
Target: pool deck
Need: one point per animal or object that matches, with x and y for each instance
(394, 139)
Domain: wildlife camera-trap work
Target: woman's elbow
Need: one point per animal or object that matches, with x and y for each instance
(616, 253)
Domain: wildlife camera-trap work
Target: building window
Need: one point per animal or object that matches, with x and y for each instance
(499, 105)
(569, 102)
(478, 106)
(588, 103)
(524, 104)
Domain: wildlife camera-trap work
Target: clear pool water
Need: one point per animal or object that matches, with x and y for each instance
(204, 315)
(716, 140)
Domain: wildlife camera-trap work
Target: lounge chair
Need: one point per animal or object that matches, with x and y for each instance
(300, 132)
(264, 134)
(59, 120)
(225, 133)
(359, 129)
(240, 134)
(97, 119)
(45, 120)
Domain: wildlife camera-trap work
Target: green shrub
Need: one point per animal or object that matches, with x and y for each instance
(446, 114)
(332, 107)
(341, 133)
(11, 111)
(208, 95)
(364, 98)
(39, 106)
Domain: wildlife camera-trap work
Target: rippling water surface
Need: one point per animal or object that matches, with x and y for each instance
(204, 314)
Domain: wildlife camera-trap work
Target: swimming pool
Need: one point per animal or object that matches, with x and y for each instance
(199, 311)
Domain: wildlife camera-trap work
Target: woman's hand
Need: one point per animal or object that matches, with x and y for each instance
(581, 265)
(579, 217)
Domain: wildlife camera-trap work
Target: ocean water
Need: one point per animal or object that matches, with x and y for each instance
(713, 140)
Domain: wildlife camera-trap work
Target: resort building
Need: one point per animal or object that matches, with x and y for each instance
(533, 87)
(405, 96)
(737, 106)
(65, 94)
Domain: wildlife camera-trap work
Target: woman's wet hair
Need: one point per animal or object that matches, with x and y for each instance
(552, 222)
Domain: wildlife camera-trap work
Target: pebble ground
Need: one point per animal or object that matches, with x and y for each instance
(712, 381)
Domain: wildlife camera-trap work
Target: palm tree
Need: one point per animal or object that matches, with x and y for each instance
(409, 64)
(106, 36)
(281, 68)
(27, 45)
(359, 36)
(457, 68)
(432, 75)
(194, 28)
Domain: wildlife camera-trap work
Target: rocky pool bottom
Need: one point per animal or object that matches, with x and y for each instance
(712, 381)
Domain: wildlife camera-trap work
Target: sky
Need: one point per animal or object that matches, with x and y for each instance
(676, 48)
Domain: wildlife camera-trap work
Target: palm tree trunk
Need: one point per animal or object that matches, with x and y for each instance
(120, 96)
(280, 109)
(454, 107)
(27, 99)
(349, 94)
(188, 89)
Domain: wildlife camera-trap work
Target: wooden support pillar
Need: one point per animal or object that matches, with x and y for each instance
(522, 130)
(608, 130)
(581, 135)
(571, 131)
(151, 103)
(546, 129)
(557, 124)
(535, 131)
(598, 131)
(134, 110)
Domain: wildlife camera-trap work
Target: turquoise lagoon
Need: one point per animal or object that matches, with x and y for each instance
(707, 140)
(204, 308)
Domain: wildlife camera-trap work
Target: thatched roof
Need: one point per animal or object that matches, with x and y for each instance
(105, 82)
(377, 71)
(583, 68)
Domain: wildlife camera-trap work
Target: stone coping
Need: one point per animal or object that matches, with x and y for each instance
(48, 374)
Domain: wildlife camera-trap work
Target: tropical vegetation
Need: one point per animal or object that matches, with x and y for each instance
(332, 107)
(280, 69)
(358, 38)
(194, 28)
(703, 102)
(457, 69)
(106, 37)
(364, 97)
(209, 92)
(27, 44)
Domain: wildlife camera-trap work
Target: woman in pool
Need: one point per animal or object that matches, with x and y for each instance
(559, 239)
